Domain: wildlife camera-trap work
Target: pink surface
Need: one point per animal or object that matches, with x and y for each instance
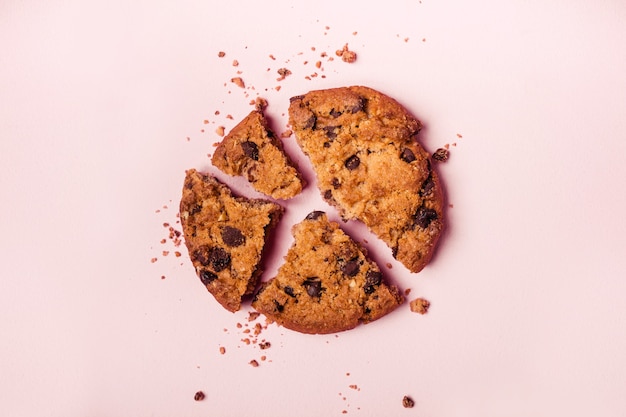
(102, 109)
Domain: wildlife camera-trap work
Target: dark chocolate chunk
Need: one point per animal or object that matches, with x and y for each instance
(335, 182)
(289, 291)
(427, 186)
(352, 163)
(372, 280)
(407, 155)
(314, 215)
(232, 236)
(330, 131)
(207, 276)
(358, 107)
(219, 259)
(310, 123)
(335, 113)
(279, 306)
(328, 195)
(351, 268)
(423, 216)
(250, 149)
(313, 286)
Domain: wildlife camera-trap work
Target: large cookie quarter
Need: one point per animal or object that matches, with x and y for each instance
(225, 236)
(369, 165)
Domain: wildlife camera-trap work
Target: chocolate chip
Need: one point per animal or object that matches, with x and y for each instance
(289, 291)
(335, 182)
(352, 163)
(423, 216)
(351, 268)
(328, 195)
(232, 236)
(201, 255)
(358, 107)
(219, 259)
(335, 113)
(310, 123)
(279, 306)
(314, 215)
(407, 155)
(207, 276)
(250, 149)
(313, 287)
(372, 280)
(330, 132)
(427, 187)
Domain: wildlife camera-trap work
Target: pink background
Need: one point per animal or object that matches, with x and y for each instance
(102, 108)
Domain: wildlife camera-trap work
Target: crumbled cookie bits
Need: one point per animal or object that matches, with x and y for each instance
(419, 305)
(198, 396)
(441, 155)
(407, 402)
(346, 54)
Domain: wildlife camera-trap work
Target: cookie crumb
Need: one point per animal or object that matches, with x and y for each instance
(287, 133)
(441, 155)
(235, 63)
(346, 54)
(419, 305)
(260, 104)
(221, 54)
(253, 315)
(238, 81)
(198, 396)
(254, 363)
(220, 130)
(222, 350)
(407, 402)
(407, 292)
(283, 72)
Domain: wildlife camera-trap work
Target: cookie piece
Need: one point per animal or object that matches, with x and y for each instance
(225, 236)
(327, 284)
(369, 165)
(253, 151)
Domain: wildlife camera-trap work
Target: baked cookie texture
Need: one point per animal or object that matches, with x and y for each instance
(326, 284)
(225, 236)
(362, 145)
(253, 151)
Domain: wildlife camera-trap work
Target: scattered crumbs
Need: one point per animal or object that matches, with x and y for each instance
(451, 205)
(346, 54)
(287, 133)
(235, 63)
(188, 139)
(419, 305)
(153, 260)
(253, 315)
(458, 135)
(406, 39)
(423, 39)
(272, 57)
(238, 81)
(354, 33)
(354, 387)
(265, 345)
(220, 131)
(344, 411)
(283, 72)
(198, 396)
(222, 350)
(441, 155)
(162, 276)
(230, 117)
(254, 363)
(221, 54)
(407, 402)
(388, 265)
(263, 358)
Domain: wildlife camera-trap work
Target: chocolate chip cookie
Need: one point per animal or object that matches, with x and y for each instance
(225, 236)
(253, 151)
(326, 284)
(369, 165)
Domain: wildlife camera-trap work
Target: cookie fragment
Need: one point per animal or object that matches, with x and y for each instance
(327, 284)
(253, 151)
(225, 236)
(362, 145)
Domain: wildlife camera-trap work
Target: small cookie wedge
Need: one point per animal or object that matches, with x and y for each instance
(362, 145)
(327, 284)
(225, 236)
(253, 151)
